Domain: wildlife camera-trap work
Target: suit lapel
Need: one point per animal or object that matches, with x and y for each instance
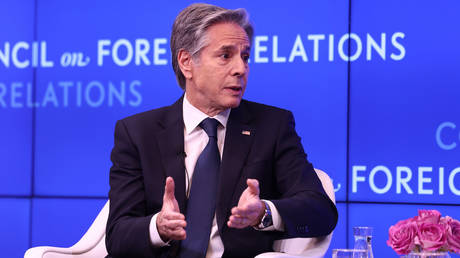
(171, 144)
(238, 141)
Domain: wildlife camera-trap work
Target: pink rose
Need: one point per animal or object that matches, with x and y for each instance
(453, 233)
(402, 235)
(428, 216)
(432, 237)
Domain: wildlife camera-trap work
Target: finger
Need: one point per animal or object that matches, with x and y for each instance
(235, 210)
(241, 211)
(235, 225)
(171, 229)
(253, 185)
(178, 234)
(247, 211)
(169, 189)
(175, 224)
(172, 215)
(239, 220)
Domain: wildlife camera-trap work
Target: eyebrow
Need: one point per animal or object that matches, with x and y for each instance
(233, 47)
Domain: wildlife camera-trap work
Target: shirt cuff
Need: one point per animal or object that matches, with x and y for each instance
(278, 223)
(155, 238)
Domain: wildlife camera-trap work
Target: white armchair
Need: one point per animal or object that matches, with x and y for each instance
(92, 244)
(304, 247)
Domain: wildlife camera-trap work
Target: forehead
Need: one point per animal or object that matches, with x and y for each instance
(227, 34)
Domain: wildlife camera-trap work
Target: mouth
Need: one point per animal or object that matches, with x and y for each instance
(235, 89)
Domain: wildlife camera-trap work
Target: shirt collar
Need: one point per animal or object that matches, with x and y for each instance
(193, 116)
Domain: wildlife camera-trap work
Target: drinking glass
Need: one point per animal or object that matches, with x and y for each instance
(349, 253)
(363, 239)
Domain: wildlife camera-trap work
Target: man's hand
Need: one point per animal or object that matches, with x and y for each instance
(250, 208)
(170, 222)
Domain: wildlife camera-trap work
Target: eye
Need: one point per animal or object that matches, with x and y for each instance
(225, 55)
(245, 58)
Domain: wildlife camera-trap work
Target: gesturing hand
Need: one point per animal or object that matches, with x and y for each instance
(250, 209)
(170, 222)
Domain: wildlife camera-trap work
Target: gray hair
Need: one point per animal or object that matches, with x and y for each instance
(189, 30)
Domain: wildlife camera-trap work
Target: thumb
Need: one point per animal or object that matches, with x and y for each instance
(169, 190)
(253, 186)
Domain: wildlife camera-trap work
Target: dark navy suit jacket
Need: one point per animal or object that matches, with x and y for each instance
(150, 147)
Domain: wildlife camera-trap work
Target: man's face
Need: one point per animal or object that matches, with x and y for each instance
(220, 72)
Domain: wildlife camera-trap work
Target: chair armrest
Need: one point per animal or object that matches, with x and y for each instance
(40, 251)
(95, 233)
(304, 247)
(92, 244)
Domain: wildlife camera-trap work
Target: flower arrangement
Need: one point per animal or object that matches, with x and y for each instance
(427, 232)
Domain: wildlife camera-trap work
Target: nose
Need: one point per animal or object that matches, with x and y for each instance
(239, 67)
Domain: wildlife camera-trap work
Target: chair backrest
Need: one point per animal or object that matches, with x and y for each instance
(326, 181)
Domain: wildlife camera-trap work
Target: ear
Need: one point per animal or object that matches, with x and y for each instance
(185, 63)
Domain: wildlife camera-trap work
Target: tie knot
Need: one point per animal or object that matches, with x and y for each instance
(209, 125)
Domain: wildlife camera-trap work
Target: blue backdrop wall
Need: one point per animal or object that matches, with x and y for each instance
(374, 87)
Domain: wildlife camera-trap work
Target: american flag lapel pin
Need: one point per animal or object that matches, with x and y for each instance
(246, 132)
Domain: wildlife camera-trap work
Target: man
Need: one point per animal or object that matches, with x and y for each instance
(211, 175)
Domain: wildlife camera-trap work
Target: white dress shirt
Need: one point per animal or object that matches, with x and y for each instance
(195, 140)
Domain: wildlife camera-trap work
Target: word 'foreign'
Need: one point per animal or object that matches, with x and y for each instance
(404, 175)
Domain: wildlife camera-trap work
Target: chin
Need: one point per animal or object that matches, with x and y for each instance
(233, 103)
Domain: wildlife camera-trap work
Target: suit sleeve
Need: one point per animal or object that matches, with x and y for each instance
(305, 208)
(127, 232)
